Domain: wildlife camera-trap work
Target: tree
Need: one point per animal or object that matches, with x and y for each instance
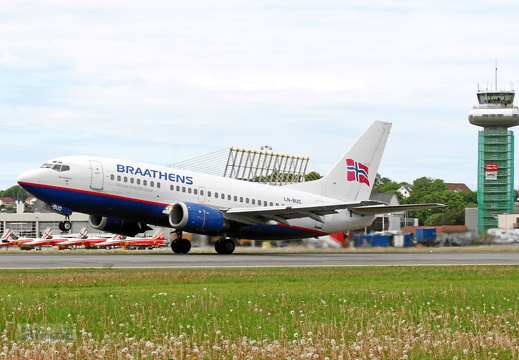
(17, 193)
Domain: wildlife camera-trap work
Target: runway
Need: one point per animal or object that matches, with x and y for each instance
(164, 259)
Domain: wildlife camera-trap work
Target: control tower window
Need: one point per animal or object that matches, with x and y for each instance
(496, 98)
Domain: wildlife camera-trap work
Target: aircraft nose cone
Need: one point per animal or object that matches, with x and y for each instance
(28, 177)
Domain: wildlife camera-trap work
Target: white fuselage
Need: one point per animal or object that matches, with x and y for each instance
(143, 192)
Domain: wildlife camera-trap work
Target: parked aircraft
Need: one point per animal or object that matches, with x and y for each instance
(156, 240)
(123, 197)
(83, 240)
(9, 239)
(47, 239)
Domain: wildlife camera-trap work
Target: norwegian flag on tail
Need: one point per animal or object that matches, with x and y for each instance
(357, 172)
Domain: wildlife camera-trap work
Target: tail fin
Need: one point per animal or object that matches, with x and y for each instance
(83, 233)
(353, 177)
(6, 235)
(47, 234)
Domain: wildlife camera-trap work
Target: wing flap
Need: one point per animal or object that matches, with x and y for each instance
(386, 209)
(281, 214)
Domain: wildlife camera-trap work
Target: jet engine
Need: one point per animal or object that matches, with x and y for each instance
(196, 218)
(117, 226)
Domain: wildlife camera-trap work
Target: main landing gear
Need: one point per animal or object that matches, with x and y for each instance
(180, 245)
(224, 245)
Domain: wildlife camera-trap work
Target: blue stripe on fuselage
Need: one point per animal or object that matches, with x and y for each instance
(102, 204)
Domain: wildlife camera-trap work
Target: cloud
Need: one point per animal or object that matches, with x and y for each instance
(164, 81)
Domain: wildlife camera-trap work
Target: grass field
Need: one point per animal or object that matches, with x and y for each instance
(315, 313)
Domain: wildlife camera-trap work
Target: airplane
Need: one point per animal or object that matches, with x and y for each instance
(82, 240)
(124, 197)
(50, 240)
(156, 240)
(9, 239)
(47, 239)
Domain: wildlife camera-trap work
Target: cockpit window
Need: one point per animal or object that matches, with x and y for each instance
(56, 165)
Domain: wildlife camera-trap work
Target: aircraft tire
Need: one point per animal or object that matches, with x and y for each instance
(225, 246)
(181, 246)
(175, 246)
(185, 246)
(65, 225)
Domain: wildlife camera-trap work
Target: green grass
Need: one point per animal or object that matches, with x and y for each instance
(458, 312)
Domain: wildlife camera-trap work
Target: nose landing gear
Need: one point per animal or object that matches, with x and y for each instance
(65, 225)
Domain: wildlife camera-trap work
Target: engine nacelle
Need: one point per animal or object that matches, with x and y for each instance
(117, 226)
(197, 219)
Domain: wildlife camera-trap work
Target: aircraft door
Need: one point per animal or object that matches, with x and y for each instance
(201, 194)
(96, 181)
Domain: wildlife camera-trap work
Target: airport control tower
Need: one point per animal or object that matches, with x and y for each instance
(495, 114)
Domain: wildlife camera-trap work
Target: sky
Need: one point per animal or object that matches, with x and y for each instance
(163, 81)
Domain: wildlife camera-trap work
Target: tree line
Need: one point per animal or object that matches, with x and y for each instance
(428, 190)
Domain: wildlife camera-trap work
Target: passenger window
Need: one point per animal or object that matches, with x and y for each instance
(253, 202)
(229, 197)
(183, 189)
(125, 179)
(152, 184)
(235, 198)
(158, 185)
(189, 190)
(132, 180)
(178, 188)
(118, 177)
(195, 191)
(208, 194)
(144, 182)
(201, 192)
(241, 199)
(112, 177)
(223, 196)
(246, 200)
(138, 181)
(171, 187)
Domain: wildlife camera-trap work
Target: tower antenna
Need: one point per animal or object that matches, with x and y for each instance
(496, 74)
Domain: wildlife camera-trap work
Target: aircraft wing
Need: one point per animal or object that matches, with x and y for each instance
(281, 214)
(386, 209)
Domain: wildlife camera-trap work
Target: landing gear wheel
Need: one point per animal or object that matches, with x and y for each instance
(65, 225)
(181, 246)
(224, 246)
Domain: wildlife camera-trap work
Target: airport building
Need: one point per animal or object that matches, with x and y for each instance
(495, 113)
(29, 224)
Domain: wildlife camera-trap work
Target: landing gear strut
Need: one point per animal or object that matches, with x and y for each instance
(224, 245)
(65, 225)
(180, 245)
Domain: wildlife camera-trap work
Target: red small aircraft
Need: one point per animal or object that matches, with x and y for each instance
(156, 240)
(82, 240)
(9, 239)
